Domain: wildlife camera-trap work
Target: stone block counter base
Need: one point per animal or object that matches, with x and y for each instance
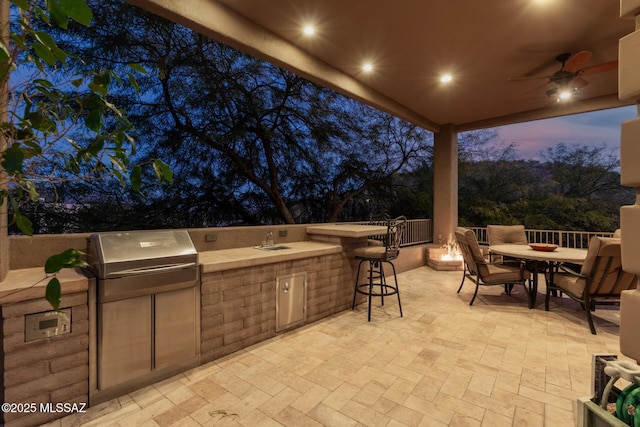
(239, 305)
(52, 370)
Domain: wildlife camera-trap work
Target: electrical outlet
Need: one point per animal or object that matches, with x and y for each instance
(282, 233)
(210, 237)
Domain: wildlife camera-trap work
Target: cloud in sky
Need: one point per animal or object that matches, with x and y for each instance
(530, 139)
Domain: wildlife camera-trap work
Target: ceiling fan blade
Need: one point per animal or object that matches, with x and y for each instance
(579, 82)
(515, 79)
(577, 61)
(599, 68)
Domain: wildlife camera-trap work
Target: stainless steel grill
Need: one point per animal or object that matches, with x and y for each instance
(148, 309)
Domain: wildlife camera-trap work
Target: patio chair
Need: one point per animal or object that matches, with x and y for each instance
(506, 235)
(600, 280)
(376, 256)
(512, 235)
(484, 273)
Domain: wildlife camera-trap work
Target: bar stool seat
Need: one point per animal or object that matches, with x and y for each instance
(376, 256)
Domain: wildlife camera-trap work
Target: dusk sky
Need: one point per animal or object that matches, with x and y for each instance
(532, 138)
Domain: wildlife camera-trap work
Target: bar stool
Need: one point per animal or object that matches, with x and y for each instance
(377, 256)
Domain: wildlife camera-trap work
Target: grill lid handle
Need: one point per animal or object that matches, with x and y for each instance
(155, 269)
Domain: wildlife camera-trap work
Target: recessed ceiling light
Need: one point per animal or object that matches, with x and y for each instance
(446, 78)
(367, 67)
(309, 30)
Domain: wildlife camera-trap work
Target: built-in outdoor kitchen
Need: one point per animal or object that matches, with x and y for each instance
(159, 302)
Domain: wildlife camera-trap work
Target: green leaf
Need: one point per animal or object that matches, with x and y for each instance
(47, 40)
(24, 224)
(5, 64)
(100, 83)
(67, 259)
(40, 122)
(44, 53)
(163, 171)
(22, 4)
(136, 178)
(93, 120)
(53, 293)
(78, 11)
(43, 83)
(133, 82)
(58, 14)
(33, 192)
(96, 146)
(12, 159)
(137, 67)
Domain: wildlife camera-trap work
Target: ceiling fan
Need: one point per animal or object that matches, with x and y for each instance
(570, 78)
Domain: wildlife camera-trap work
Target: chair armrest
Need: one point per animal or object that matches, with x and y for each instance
(515, 263)
(570, 271)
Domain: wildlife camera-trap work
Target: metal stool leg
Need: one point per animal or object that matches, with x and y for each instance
(355, 291)
(371, 267)
(395, 278)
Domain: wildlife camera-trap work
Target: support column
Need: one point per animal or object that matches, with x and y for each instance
(4, 100)
(445, 183)
(629, 90)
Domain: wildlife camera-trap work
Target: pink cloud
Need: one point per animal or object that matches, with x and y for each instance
(597, 128)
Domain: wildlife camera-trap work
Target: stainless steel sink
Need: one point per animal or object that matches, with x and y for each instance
(272, 247)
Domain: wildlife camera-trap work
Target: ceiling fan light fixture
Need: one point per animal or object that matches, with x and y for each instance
(446, 78)
(564, 95)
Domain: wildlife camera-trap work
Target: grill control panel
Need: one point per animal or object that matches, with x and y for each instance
(47, 324)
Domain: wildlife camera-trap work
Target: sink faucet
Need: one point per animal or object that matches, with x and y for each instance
(270, 238)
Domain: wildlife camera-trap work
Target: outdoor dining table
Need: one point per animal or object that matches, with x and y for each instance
(525, 252)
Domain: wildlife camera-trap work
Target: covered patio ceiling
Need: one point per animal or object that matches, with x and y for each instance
(411, 43)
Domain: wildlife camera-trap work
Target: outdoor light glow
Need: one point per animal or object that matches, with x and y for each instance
(446, 78)
(309, 30)
(564, 95)
(367, 67)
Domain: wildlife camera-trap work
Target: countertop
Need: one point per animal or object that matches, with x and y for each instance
(347, 230)
(30, 283)
(228, 259)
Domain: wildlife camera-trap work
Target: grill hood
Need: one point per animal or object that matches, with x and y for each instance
(125, 253)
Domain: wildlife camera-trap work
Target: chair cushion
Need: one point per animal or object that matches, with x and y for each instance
(570, 284)
(375, 252)
(505, 273)
(603, 246)
(507, 234)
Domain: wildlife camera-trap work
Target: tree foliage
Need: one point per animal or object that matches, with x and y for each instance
(576, 188)
(250, 142)
(60, 126)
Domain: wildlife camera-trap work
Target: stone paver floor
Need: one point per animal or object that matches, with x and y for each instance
(495, 363)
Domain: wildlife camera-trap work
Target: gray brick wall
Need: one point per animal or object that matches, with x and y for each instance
(239, 306)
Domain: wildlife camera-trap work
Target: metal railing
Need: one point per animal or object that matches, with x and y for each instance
(567, 239)
(418, 231)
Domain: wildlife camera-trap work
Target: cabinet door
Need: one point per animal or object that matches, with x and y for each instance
(124, 340)
(291, 300)
(175, 327)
